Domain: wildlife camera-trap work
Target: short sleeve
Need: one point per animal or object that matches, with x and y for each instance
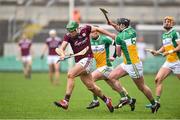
(88, 29)
(66, 38)
(108, 40)
(177, 36)
(118, 40)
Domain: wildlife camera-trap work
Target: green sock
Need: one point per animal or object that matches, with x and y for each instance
(122, 94)
(128, 97)
(158, 98)
(152, 102)
(95, 97)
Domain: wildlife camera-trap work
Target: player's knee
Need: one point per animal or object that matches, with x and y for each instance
(70, 75)
(158, 80)
(91, 88)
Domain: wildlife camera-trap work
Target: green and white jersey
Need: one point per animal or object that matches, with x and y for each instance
(100, 48)
(127, 41)
(169, 40)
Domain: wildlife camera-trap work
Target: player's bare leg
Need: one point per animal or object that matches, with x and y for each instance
(56, 67)
(87, 80)
(29, 69)
(96, 75)
(161, 75)
(117, 73)
(72, 73)
(25, 71)
(147, 92)
(178, 76)
(51, 71)
(143, 87)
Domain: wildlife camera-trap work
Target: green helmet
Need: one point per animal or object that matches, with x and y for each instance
(72, 26)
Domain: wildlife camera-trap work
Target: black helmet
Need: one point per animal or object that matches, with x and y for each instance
(124, 21)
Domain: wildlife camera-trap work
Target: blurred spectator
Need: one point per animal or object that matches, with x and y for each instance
(51, 44)
(76, 15)
(25, 54)
(141, 46)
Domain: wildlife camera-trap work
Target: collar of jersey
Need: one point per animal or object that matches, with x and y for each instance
(97, 38)
(127, 28)
(170, 30)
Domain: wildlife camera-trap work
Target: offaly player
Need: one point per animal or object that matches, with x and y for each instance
(79, 39)
(170, 49)
(132, 66)
(25, 53)
(51, 44)
(100, 45)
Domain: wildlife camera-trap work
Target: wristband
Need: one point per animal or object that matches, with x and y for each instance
(170, 51)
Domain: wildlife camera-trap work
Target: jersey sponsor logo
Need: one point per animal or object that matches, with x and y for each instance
(77, 43)
(167, 41)
(98, 48)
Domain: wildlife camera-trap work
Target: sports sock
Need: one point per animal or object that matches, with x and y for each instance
(128, 97)
(122, 94)
(158, 98)
(104, 98)
(152, 102)
(95, 97)
(67, 97)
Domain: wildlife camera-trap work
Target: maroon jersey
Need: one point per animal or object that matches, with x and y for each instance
(25, 46)
(53, 43)
(79, 42)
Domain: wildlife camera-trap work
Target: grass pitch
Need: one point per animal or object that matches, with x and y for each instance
(21, 98)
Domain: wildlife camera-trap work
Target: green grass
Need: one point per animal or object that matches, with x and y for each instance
(21, 98)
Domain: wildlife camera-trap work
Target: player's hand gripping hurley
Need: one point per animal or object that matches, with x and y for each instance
(82, 52)
(151, 51)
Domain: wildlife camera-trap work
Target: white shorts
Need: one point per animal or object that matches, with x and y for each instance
(134, 70)
(26, 58)
(174, 66)
(87, 63)
(51, 59)
(105, 70)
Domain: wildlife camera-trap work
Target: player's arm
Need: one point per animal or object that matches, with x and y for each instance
(112, 58)
(31, 51)
(19, 53)
(113, 25)
(157, 52)
(45, 47)
(103, 31)
(118, 50)
(62, 49)
(177, 49)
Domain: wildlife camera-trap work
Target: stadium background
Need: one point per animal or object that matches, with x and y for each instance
(37, 17)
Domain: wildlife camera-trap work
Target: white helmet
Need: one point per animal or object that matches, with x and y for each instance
(52, 32)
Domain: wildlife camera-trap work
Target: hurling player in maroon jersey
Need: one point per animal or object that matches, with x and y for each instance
(79, 38)
(25, 54)
(51, 44)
